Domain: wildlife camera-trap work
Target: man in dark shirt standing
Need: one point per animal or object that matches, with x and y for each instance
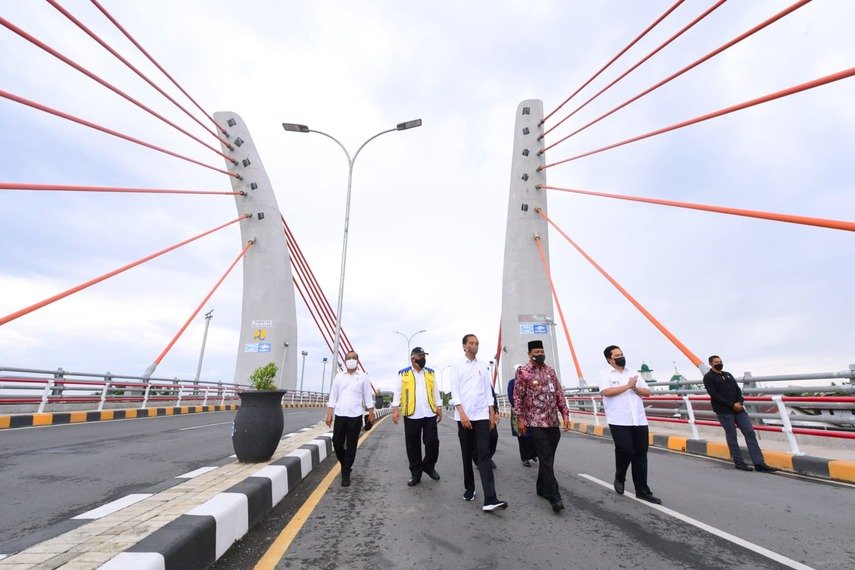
(726, 399)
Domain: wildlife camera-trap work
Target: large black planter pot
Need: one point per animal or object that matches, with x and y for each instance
(258, 425)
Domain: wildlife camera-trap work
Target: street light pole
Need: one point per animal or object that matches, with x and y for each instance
(409, 339)
(298, 128)
(303, 372)
(323, 373)
(282, 368)
(208, 316)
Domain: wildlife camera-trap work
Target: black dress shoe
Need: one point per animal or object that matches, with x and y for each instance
(649, 497)
(493, 464)
(527, 463)
(345, 480)
(743, 467)
(618, 487)
(763, 468)
(413, 481)
(557, 506)
(433, 474)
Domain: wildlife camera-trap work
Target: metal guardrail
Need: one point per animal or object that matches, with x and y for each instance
(828, 412)
(27, 389)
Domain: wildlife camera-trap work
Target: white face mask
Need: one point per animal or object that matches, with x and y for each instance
(351, 364)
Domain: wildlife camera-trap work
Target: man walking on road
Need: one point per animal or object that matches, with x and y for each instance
(350, 395)
(538, 397)
(417, 393)
(622, 391)
(472, 398)
(726, 399)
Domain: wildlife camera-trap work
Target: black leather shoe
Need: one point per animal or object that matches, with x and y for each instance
(433, 474)
(618, 487)
(493, 464)
(527, 463)
(763, 468)
(413, 481)
(649, 497)
(345, 480)
(557, 506)
(743, 467)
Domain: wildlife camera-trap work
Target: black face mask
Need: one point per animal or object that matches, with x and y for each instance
(620, 361)
(539, 359)
(718, 366)
(420, 362)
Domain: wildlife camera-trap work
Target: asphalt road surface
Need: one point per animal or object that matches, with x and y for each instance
(51, 474)
(713, 516)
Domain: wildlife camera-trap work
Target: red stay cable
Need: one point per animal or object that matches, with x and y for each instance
(560, 311)
(69, 188)
(638, 64)
(668, 334)
(113, 273)
(314, 318)
(846, 73)
(202, 304)
(689, 67)
(151, 59)
(804, 220)
(139, 73)
(35, 41)
(84, 122)
(612, 60)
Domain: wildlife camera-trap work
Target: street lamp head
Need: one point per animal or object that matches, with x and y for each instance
(408, 125)
(304, 353)
(297, 128)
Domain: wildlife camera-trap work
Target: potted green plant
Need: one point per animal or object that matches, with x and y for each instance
(259, 422)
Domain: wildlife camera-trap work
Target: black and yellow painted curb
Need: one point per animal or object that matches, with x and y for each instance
(57, 418)
(811, 466)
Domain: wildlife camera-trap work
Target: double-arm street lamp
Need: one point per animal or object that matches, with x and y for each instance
(298, 128)
(409, 339)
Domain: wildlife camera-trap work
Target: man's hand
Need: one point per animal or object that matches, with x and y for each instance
(395, 416)
(520, 427)
(632, 382)
(371, 416)
(737, 407)
(328, 419)
(492, 419)
(464, 419)
(567, 424)
(438, 414)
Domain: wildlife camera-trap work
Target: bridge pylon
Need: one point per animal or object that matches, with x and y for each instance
(527, 309)
(268, 330)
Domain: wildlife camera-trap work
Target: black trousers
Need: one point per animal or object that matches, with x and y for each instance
(416, 432)
(545, 442)
(344, 439)
(631, 443)
(527, 451)
(494, 442)
(477, 441)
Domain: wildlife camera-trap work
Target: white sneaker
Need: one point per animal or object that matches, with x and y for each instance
(497, 506)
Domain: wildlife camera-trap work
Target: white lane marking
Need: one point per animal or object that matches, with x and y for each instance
(111, 508)
(196, 473)
(204, 426)
(711, 529)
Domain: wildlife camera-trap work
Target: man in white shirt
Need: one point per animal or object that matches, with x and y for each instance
(622, 392)
(417, 392)
(350, 395)
(472, 398)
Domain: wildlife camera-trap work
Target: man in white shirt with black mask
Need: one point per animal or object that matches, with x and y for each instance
(622, 392)
(350, 395)
(472, 398)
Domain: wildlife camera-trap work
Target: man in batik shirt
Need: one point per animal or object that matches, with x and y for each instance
(538, 397)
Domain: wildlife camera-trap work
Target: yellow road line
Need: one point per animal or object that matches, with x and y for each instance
(280, 545)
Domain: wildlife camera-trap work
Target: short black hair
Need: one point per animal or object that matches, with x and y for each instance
(608, 351)
(710, 359)
(466, 337)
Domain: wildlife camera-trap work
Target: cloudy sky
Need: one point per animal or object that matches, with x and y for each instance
(429, 204)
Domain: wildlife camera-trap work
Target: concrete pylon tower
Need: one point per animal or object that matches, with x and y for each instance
(269, 313)
(527, 312)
